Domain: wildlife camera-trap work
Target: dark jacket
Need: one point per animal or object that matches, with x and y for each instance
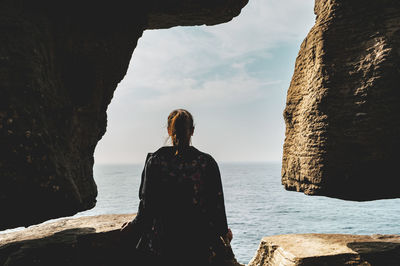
(181, 206)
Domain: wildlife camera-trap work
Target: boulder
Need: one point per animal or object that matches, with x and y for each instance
(60, 62)
(343, 106)
(328, 250)
(82, 241)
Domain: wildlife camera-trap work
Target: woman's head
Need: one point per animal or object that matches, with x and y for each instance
(180, 128)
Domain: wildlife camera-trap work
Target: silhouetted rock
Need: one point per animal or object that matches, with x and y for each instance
(343, 105)
(60, 62)
(328, 250)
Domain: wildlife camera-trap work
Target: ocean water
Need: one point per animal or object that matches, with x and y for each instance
(257, 205)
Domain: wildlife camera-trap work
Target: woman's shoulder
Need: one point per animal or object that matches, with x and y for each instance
(201, 153)
(164, 150)
(161, 154)
(151, 156)
(191, 152)
(208, 158)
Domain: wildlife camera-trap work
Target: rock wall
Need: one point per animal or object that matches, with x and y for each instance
(327, 249)
(60, 63)
(343, 106)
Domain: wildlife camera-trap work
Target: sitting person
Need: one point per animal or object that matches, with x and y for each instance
(181, 218)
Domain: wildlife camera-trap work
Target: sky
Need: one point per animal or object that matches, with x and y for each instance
(232, 77)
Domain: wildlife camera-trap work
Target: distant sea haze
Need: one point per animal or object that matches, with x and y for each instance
(257, 205)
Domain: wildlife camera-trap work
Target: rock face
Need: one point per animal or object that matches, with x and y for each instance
(60, 63)
(326, 249)
(68, 242)
(343, 105)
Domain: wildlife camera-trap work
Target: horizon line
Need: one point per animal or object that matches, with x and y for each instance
(219, 162)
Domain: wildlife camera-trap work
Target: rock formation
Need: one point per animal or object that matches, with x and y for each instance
(343, 105)
(98, 241)
(328, 249)
(70, 242)
(60, 63)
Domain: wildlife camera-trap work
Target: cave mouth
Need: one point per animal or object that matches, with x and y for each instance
(230, 78)
(234, 89)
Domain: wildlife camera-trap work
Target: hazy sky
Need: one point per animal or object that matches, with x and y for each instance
(232, 77)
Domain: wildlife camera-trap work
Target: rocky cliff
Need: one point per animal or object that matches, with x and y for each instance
(60, 62)
(343, 105)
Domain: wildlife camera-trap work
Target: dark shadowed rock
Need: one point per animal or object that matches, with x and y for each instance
(328, 250)
(60, 63)
(82, 241)
(343, 105)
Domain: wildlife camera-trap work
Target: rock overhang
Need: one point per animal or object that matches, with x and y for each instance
(60, 63)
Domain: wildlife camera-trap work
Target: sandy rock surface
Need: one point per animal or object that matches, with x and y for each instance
(328, 249)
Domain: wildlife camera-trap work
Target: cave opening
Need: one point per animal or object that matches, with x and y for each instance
(234, 81)
(232, 77)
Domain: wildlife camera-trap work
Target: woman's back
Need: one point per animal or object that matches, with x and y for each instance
(184, 193)
(181, 213)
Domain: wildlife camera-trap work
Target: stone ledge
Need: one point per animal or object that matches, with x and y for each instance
(328, 249)
(97, 240)
(97, 224)
(87, 241)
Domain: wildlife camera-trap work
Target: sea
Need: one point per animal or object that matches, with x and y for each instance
(257, 205)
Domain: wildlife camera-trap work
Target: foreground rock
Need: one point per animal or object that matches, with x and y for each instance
(343, 105)
(97, 241)
(60, 62)
(68, 242)
(328, 249)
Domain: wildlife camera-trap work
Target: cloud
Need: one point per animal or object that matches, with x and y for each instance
(236, 68)
(219, 92)
(168, 59)
(262, 25)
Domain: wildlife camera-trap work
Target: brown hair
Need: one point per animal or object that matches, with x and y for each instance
(180, 127)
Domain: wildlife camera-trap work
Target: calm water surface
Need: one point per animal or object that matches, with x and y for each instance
(257, 205)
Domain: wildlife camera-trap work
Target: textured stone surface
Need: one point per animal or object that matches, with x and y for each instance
(169, 13)
(82, 241)
(60, 63)
(97, 240)
(328, 249)
(343, 105)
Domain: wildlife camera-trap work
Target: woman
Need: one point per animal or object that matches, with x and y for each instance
(181, 213)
